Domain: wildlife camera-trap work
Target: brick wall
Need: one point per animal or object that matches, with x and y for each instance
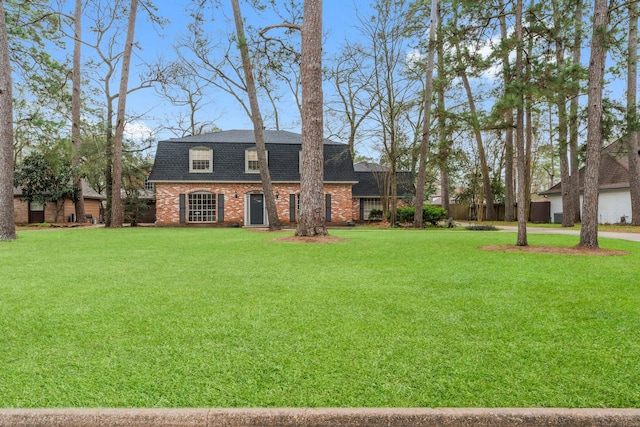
(341, 203)
(58, 212)
(20, 211)
(355, 209)
(168, 200)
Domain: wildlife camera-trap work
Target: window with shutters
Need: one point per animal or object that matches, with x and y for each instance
(294, 206)
(201, 207)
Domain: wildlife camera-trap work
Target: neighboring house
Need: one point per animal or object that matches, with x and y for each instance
(371, 185)
(32, 213)
(614, 200)
(148, 196)
(214, 179)
(140, 203)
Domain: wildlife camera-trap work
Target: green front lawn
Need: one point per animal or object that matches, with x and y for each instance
(161, 317)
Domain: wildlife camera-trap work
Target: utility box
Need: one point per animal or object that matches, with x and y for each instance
(557, 218)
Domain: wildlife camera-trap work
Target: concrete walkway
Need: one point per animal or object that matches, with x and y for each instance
(325, 417)
(634, 237)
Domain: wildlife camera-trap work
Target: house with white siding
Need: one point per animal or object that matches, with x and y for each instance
(614, 200)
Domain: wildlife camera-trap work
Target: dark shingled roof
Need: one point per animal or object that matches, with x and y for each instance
(172, 158)
(369, 167)
(614, 170)
(87, 192)
(247, 137)
(371, 178)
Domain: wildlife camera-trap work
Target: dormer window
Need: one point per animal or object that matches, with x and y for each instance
(251, 161)
(200, 160)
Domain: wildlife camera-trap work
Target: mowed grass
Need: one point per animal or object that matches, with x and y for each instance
(146, 317)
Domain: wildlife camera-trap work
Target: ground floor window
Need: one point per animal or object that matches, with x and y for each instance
(294, 207)
(202, 207)
(367, 205)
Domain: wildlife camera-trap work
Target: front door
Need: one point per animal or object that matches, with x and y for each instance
(256, 209)
(36, 213)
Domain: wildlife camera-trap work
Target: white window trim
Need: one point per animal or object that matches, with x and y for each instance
(192, 213)
(192, 157)
(246, 160)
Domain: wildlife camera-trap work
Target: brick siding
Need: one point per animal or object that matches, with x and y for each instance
(20, 211)
(168, 201)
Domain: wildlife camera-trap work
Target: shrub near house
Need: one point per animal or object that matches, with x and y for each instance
(430, 214)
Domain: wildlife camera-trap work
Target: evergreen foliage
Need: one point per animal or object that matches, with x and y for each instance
(45, 177)
(430, 214)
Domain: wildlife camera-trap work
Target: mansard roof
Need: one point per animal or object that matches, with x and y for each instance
(172, 158)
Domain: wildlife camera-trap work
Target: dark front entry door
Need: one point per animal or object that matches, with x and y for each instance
(256, 209)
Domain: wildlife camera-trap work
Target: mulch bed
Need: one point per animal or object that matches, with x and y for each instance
(309, 239)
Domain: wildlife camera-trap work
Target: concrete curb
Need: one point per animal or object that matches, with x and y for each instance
(325, 417)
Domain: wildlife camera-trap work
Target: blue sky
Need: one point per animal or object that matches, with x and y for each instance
(339, 19)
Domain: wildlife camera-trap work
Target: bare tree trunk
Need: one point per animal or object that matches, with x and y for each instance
(256, 118)
(573, 116)
(7, 224)
(312, 212)
(445, 149)
(567, 200)
(426, 124)
(117, 212)
(561, 105)
(76, 101)
(393, 193)
(509, 210)
(528, 105)
(443, 155)
(486, 179)
(632, 114)
(522, 172)
(528, 127)
(108, 173)
(589, 231)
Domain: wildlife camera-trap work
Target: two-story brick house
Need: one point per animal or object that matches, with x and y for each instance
(214, 179)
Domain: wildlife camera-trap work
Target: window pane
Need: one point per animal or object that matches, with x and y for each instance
(251, 157)
(368, 204)
(200, 159)
(202, 207)
(200, 164)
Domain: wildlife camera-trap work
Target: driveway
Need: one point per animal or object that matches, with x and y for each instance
(634, 237)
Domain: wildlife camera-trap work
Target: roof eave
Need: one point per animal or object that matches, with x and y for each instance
(173, 181)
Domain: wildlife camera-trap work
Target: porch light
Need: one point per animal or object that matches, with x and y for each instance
(235, 194)
(277, 194)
